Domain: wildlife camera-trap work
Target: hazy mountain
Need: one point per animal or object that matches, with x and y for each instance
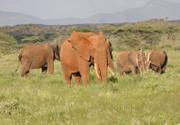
(12, 18)
(152, 9)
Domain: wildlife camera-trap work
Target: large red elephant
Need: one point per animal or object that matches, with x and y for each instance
(80, 51)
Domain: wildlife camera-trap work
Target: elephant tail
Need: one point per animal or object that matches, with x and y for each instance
(19, 60)
(165, 60)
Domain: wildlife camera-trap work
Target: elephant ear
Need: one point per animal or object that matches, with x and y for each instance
(109, 55)
(109, 48)
(83, 47)
(57, 51)
(56, 48)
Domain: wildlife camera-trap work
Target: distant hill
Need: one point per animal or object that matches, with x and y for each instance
(12, 18)
(151, 10)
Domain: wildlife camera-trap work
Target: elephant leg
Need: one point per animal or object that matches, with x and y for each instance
(121, 72)
(137, 70)
(133, 70)
(159, 70)
(67, 75)
(163, 69)
(85, 78)
(84, 71)
(120, 69)
(25, 68)
(147, 66)
(44, 68)
(68, 78)
(24, 73)
(50, 66)
(156, 69)
(77, 77)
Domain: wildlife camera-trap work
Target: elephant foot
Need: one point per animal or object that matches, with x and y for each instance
(78, 80)
(44, 69)
(24, 73)
(77, 77)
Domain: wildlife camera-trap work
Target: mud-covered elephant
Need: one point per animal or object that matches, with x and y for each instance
(130, 61)
(80, 51)
(157, 60)
(36, 56)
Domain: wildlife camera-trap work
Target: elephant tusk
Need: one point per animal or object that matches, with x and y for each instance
(113, 74)
(96, 69)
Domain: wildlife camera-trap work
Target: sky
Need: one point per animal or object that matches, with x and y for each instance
(54, 9)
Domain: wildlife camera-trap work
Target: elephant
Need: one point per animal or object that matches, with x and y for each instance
(80, 51)
(157, 60)
(130, 61)
(36, 56)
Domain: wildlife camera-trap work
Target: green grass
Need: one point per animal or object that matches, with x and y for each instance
(146, 99)
(39, 99)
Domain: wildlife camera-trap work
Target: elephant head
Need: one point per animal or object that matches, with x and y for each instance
(156, 60)
(56, 49)
(93, 47)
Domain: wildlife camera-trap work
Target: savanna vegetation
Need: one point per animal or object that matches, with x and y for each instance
(40, 99)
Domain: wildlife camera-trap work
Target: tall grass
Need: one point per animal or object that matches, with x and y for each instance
(144, 99)
(40, 99)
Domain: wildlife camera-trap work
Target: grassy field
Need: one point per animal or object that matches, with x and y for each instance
(39, 99)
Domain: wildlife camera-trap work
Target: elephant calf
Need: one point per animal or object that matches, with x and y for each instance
(157, 60)
(35, 56)
(131, 61)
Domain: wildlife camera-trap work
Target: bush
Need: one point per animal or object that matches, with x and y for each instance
(7, 43)
(33, 39)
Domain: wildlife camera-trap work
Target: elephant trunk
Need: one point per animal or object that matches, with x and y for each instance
(19, 59)
(101, 68)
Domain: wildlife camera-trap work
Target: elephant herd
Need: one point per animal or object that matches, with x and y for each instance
(80, 51)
